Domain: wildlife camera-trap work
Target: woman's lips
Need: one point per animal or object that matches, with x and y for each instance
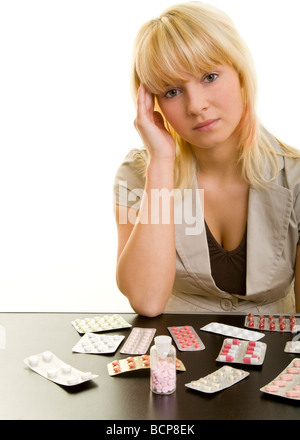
(207, 125)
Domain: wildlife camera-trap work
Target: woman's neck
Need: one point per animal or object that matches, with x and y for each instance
(221, 162)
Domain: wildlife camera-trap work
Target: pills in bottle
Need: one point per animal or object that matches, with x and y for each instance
(163, 366)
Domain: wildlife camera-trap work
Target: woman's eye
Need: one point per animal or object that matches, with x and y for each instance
(171, 93)
(211, 77)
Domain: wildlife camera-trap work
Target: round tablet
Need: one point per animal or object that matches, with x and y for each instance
(72, 380)
(33, 361)
(47, 356)
(52, 373)
(66, 369)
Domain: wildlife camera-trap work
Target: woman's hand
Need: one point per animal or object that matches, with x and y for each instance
(150, 126)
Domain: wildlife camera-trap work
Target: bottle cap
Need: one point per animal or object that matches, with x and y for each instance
(163, 344)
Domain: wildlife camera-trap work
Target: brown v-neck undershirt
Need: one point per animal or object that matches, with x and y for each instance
(228, 268)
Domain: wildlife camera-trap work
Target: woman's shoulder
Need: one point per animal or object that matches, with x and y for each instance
(288, 159)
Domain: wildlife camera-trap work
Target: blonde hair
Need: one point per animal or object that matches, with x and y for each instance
(196, 37)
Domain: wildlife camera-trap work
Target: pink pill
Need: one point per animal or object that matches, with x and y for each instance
(296, 387)
(251, 360)
(233, 341)
(292, 393)
(271, 389)
(293, 370)
(279, 383)
(296, 364)
(287, 377)
(252, 343)
(226, 358)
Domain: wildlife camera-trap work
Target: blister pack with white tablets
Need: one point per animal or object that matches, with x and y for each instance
(280, 323)
(138, 341)
(100, 323)
(287, 383)
(242, 352)
(292, 347)
(232, 331)
(51, 367)
(219, 380)
(134, 363)
(186, 338)
(98, 344)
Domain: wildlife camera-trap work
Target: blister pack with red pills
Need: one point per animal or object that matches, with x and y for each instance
(134, 363)
(186, 338)
(280, 323)
(242, 352)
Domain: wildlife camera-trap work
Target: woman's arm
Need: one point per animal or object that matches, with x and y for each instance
(297, 280)
(146, 249)
(146, 255)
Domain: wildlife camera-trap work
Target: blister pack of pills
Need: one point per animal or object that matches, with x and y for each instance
(138, 341)
(51, 367)
(242, 352)
(98, 344)
(234, 332)
(100, 323)
(134, 363)
(287, 383)
(186, 338)
(222, 378)
(282, 323)
(292, 347)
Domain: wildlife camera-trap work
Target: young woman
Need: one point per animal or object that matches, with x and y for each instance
(195, 90)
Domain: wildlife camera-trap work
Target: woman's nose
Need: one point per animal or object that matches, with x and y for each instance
(197, 100)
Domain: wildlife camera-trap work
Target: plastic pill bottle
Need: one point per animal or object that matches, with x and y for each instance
(163, 366)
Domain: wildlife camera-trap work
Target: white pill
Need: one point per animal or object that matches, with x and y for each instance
(52, 373)
(206, 388)
(72, 380)
(86, 376)
(47, 356)
(33, 361)
(66, 369)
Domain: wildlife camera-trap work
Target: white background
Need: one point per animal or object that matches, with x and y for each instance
(66, 122)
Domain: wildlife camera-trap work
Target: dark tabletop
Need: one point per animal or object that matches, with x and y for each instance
(26, 395)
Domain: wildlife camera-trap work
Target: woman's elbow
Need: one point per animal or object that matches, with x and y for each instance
(146, 304)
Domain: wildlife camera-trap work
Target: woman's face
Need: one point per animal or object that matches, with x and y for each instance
(205, 111)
